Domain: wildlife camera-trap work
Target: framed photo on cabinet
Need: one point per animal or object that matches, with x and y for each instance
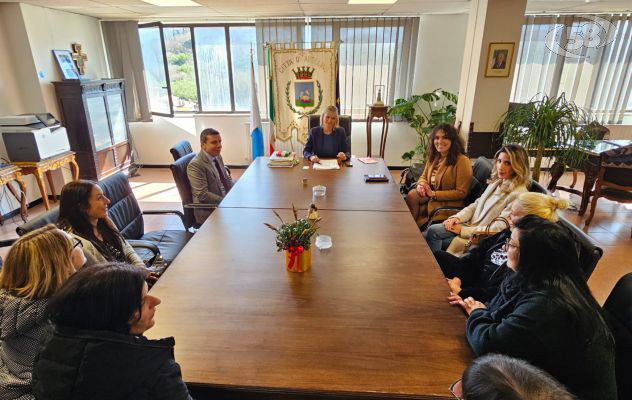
(66, 65)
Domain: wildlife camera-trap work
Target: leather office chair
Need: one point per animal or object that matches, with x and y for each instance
(618, 310)
(181, 149)
(180, 177)
(128, 218)
(343, 120)
(614, 184)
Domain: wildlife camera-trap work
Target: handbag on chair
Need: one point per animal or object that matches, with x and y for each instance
(459, 245)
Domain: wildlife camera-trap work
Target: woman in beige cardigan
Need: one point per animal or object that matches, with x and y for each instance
(446, 178)
(510, 177)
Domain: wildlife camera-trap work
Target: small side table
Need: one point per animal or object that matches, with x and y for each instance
(377, 112)
(37, 168)
(8, 174)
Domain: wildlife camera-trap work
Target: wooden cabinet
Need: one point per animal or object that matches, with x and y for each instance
(93, 113)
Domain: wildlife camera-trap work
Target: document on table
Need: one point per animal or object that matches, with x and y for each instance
(326, 164)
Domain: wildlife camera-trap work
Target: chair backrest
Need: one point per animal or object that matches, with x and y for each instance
(343, 120)
(618, 309)
(181, 149)
(49, 217)
(535, 186)
(484, 144)
(180, 177)
(589, 252)
(123, 209)
(481, 171)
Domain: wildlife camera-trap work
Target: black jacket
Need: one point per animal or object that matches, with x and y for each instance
(314, 145)
(95, 365)
(539, 328)
(480, 274)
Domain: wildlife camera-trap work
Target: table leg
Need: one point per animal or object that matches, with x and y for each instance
(21, 199)
(369, 120)
(591, 171)
(40, 183)
(49, 177)
(75, 169)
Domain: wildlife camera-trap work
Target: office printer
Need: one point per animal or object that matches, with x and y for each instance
(33, 137)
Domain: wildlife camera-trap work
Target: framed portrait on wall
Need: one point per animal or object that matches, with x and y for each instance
(499, 58)
(66, 64)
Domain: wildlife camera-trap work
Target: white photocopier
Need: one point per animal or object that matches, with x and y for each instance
(33, 137)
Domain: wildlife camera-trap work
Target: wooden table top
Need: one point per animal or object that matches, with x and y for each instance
(264, 187)
(369, 319)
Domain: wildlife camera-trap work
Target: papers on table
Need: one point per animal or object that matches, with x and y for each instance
(326, 164)
(368, 160)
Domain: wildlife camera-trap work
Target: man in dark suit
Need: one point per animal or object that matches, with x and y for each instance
(209, 179)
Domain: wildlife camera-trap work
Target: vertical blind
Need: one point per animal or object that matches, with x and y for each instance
(592, 68)
(373, 51)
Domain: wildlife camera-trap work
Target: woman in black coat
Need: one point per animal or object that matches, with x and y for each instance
(545, 313)
(328, 140)
(481, 270)
(97, 350)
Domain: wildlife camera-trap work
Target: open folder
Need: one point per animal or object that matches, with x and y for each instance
(326, 164)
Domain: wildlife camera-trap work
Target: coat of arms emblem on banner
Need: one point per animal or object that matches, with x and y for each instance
(304, 92)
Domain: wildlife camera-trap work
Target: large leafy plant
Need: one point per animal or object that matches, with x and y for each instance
(423, 112)
(549, 127)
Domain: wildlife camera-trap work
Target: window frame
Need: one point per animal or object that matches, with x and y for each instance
(229, 64)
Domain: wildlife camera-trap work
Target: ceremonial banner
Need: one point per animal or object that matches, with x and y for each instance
(303, 84)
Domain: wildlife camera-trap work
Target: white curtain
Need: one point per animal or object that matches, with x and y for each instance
(126, 61)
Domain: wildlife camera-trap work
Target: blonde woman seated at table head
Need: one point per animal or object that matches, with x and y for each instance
(509, 178)
(447, 175)
(83, 212)
(36, 266)
(328, 140)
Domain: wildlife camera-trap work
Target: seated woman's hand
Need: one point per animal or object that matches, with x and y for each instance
(421, 190)
(314, 159)
(455, 285)
(449, 223)
(468, 304)
(341, 156)
(456, 228)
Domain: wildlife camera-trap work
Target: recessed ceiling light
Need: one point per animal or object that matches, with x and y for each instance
(173, 3)
(372, 1)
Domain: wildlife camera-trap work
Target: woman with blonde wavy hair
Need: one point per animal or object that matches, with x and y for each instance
(328, 140)
(480, 271)
(509, 178)
(37, 265)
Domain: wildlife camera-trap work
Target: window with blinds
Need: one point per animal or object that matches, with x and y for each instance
(586, 57)
(373, 51)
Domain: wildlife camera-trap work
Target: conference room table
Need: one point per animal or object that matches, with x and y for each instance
(369, 320)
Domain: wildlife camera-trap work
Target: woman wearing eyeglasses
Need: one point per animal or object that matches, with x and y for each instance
(38, 263)
(479, 272)
(83, 212)
(545, 313)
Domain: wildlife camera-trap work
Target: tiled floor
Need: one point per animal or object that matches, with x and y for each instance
(611, 226)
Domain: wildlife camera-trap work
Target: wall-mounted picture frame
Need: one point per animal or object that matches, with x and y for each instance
(499, 58)
(66, 65)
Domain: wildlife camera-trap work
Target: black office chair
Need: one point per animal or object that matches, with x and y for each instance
(618, 309)
(128, 218)
(181, 149)
(180, 177)
(343, 120)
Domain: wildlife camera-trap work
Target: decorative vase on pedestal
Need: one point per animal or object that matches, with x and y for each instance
(298, 260)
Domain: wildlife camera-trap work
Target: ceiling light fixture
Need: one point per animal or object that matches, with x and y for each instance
(173, 3)
(372, 1)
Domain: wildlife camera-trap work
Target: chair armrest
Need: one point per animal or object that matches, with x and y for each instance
(144, 244)
(7, 243)
(162, 212)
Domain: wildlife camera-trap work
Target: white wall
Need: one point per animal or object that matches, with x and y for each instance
(438, 64)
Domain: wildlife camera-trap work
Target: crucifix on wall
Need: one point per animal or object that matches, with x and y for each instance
(79, 58)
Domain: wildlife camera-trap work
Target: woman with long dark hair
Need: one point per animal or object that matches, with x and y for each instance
(446, 178)
(97, 350)
(83, 212)
(545, 313)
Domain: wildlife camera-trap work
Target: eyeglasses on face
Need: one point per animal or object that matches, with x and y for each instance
(508, 244)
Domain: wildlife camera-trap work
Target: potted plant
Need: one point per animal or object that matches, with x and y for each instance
(423, 112)
(295, 239)
(548, 127)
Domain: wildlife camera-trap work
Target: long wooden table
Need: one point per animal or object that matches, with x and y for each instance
(264, 187)
(369, 320)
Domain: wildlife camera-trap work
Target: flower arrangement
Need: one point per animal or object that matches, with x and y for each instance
(295, 238)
